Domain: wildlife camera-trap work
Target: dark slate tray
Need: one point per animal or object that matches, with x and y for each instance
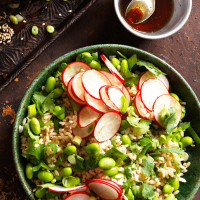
(17, 55)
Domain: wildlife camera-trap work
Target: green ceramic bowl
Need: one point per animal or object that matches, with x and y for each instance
(184, 91)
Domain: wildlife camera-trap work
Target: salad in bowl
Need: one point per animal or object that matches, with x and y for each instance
(106, 128)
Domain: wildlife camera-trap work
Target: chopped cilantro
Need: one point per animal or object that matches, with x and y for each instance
(132, 61)
(145, 140)
(127, 171)
(79, 166)
(48, 102)
(148, 166)
(170, 149)
(131, 81)
(53, 149)
(148, 191)
(37, 152)
(171, 120)
(91, 162)
(115, 153)
(113, 141)
(134, 148)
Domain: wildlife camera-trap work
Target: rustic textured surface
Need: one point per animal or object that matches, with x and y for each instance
(99, 25)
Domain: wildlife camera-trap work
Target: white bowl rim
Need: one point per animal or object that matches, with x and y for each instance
(140, 34)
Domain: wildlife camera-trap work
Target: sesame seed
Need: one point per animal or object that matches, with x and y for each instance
(43, 24)
(60, 14)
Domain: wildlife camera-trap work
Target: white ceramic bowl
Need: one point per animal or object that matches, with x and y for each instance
(181, 13)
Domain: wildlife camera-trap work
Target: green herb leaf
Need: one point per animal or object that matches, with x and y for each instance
(39, 97)
(91, 162)
(90, 128)
(38, 107)
(115, 153)
(145, 140)
(171, 120)
(132, 61)
(79, 166)
(127, 185)
(95, 57)
(62, 66)
(122, 55)
(170, 149)
(148, 191)
(154, 175)
(113, 141)
(148, 166)
(56, 124)
(53, 149)
(48, 102)
(131, 81)
(134, 148)
(32, 136)
(37, 152)
(127, 171)
(124, 104)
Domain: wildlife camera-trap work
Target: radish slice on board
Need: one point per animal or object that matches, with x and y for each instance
(72, 69)
(77, 87)
(92, 81)
(106, 100)
(107, 126)
(142, 111)
(151, 89)
(71, 95)
(108, 192)
(95, 104)
(112, 78)
(87, 116)
(147, 75)
(84, 132)
(115, 95)
(126, 93)
(77, 196)
(166, 101)
(112, 68)
(61, 189)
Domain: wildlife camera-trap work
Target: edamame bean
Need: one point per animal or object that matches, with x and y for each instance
(105, 69)
(57, 92)
(75, 106)
(126, 140)
(92, 198)
(174, 182)
(86, 54)
(186, 141)
(73, 181)
(137, 191)
(50, 84)
(50, 29)
(61, 116)
(45, 176)
(118, 176)
(67, 171)
(175, 96)
(69, 150)
(13, 19)
(167, 189)
(106, 163)
(115, 62)
(156, 197)
(119, 162)
(164, 114)
(35, 125)
(92, 148)
(95, 65)
(129, 195)
(124, 125)
(34, 30)
(176, 137)
(170, 197)
(164, 139)
(140, 131)
(111, 172)
(29, 171)
(13, 5)
(39, 193)
(32, 110)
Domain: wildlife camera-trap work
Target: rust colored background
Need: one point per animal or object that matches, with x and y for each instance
(99, 25)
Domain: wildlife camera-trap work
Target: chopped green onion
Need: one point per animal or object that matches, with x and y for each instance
(34, 30)
(194, 135)
(77, 140)
(32, 110)
(13, 5)
(19, 18)
(50, 29)
(13, 19)
(72, 159)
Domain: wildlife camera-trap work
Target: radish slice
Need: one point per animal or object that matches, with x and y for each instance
(72, 69)
(115, 95)
(71, 95)
(126, 93)
(92, 81)
(84, 132)
(106, 100)
(77, 87)
(77, 196)
(87, 116)
(107, 126)
(105, 191)
(142, 111)
(151, 89)
(147, 75)
(62, 189)
(112, 78)
(166, 101)
(96, 104)
(112, 68)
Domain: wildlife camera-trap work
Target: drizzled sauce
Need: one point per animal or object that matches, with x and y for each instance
(161, 16)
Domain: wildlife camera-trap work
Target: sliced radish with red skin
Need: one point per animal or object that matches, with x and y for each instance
(112, 78)
(71, 95)
(87, 116)
(147, 75)
(105, 99)
(96, 104)
(126, 93)
(77, 87)
(78, 196)
(115, 95)
(61, 189)
(72, 69)
(107, 126)
(166, 101)
(92, 81)
(140, 107)
(112, 68)
(84, 132)
(151, 89)
(105, 191)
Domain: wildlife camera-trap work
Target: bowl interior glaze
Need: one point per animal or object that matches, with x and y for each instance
(181, 87)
